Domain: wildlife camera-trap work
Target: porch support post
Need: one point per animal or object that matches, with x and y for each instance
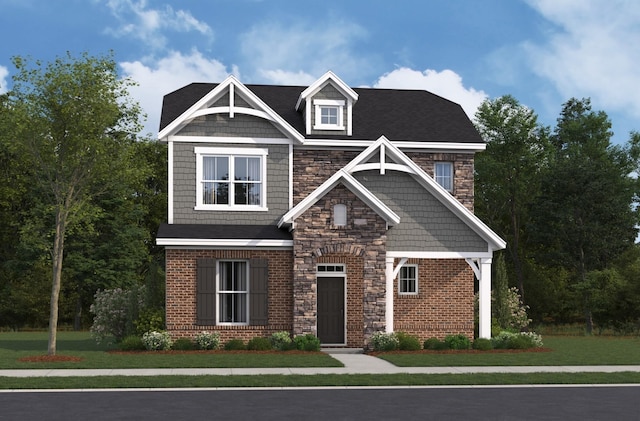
(484, 299)
(389, 295)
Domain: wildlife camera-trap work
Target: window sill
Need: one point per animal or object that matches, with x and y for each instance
(327, 127)
(230, 208)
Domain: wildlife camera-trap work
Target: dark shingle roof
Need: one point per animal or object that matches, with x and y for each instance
(223, 232)
(411, 115)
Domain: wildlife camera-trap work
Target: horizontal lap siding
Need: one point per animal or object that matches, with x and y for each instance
(181, 292)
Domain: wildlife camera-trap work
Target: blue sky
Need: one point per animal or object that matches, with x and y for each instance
(543, 52)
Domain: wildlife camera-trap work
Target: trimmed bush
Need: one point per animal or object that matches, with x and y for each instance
(235, 345)
(382, 341)
(408, 342)
(523, 340)
(149, 319)
(281, 341)
(308, 342)
(157, 341)
(458, 341)
(131, 343)
(435, 344)
(259, 344)
(207, 340)
(482, 344)
(183, 344)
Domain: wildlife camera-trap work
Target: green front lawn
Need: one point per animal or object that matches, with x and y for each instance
(16, 346)
(562, 350)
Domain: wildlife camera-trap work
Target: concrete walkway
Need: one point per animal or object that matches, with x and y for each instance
(354, 363)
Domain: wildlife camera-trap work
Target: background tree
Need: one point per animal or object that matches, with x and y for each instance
(584, 218)
(75, 121)
(507, 175)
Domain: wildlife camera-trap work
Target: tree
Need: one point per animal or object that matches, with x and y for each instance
(585, 219)
(74, 119)
(508, 173)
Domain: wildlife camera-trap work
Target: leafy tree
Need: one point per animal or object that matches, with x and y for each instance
(508, 172)
(74, 120)
(585, 218)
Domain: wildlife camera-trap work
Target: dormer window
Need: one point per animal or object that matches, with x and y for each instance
(328, 114)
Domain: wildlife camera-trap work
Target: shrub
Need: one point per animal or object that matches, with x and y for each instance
(408, 342)
(259, 344)
(435, 344)
(458, 341)
(482, 344)
(114, 312)
(149, 319)
(308, 342)
(523, 340)
(157, 341)
(281, 340)
(131, 343)
(536, 339)
(183, 344)
(207, 340)
(381, 341)
(235, 345)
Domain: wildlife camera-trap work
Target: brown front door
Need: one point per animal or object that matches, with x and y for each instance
(331, 310)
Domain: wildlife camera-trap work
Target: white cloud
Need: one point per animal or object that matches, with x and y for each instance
(446, 83)
(148, 25)
(4, 84)
(300, 52)
(166, 75)
(592, 50)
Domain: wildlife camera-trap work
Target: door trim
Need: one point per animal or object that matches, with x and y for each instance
(334, 274)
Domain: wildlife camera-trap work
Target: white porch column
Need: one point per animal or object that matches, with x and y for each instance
(388, 311)
(484, 298)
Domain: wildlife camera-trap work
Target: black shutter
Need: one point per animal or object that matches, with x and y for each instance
(259, 292)
(206, 292)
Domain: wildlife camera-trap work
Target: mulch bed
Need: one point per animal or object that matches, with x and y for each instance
(466, 351)
(212, 352)
(50, 359)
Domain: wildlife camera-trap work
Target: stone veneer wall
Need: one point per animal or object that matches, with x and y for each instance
(316, 239)
(444, 304)
(181, 292)
(312, 167)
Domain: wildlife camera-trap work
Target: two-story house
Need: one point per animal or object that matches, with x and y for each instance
(325, 209)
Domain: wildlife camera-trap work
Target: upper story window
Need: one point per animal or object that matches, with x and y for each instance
(408, 280)
(444, 175)
(328, 114)
(230, 179)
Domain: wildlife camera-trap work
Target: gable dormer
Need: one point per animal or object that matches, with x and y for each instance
(327, 106)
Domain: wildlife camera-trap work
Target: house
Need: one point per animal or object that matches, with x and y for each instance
(325, 209)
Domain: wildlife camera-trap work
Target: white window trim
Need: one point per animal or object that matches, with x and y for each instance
(416, 281)
(435, 174)
(318, 104)
(247, 292)
(202, 151)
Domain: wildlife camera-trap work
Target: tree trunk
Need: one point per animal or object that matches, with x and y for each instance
(58, 250)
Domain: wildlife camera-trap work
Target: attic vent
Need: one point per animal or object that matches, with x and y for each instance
(339, 215)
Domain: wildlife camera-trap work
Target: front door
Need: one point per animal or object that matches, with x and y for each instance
(331, 310)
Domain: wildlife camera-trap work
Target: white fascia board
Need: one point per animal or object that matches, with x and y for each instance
(234, 140)
(354, 186)
(201, 108)
(318, 84)
(403, 144)
(495, 242)
(206, 242)
(439, 255)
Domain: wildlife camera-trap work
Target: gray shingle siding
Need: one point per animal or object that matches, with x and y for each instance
(184, 188)
(425, 223)
(241, 125)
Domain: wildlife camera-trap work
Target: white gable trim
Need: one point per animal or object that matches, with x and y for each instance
(201, 107)
(320, 83)
(341, 177)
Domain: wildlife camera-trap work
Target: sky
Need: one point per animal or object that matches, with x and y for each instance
(543, 52)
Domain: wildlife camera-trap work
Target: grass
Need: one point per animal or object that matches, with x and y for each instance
(362, 380)
(564, 350)
(14, 346)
